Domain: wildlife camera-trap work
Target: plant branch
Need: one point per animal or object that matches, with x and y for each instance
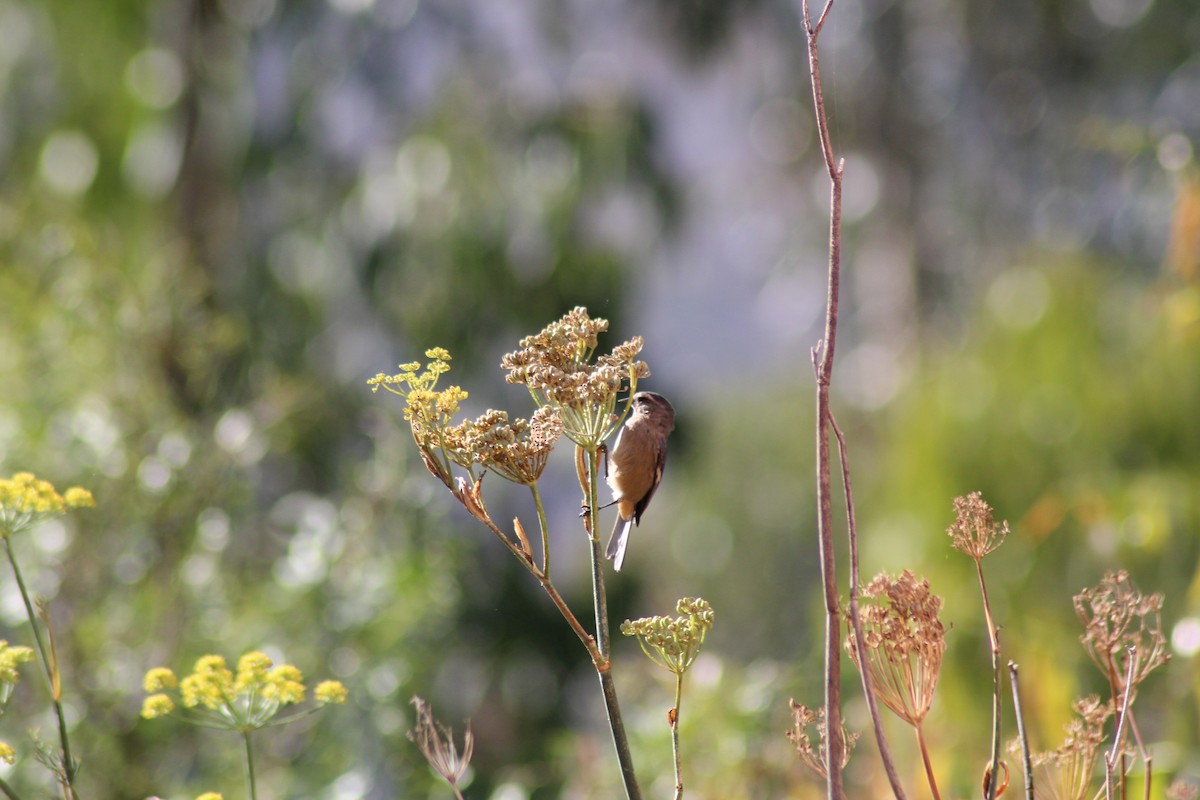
(1118, 748)
(1026, 756)
(588, 465)
(250, 765)
(9, 792)
(673, 718)
(49, 664)
(928, 766)
(822, 356)
(885, 752)
(994, 640)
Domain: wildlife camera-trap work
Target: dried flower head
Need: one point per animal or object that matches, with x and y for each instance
(975, 531)
(905, 640)
(1066, 773)
(816, 758)
(557, 367)
(1120, 623)
(673, 642)
(517, 450)
(436, 743)
(25, 501)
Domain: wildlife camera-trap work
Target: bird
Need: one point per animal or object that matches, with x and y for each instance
(637, 461)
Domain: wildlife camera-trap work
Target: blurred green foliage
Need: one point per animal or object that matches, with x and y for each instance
(201, 262)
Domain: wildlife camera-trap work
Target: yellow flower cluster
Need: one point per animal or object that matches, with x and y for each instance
(673, 642)
(7, 754)
(25, 501)
(243, 701)
(10, 659)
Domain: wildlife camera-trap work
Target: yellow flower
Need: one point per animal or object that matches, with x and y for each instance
(158, 679)
(210, 796)
(284, 684)
(10, 658)
(252, 669)
(212, 696)
(157, 705)
(7, 754)
(211, 685)
(330, 692)
(25, 501)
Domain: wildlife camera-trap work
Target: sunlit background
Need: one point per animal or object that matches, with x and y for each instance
(218, 218)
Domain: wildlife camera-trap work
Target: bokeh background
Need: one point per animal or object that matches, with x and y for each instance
(218, 218)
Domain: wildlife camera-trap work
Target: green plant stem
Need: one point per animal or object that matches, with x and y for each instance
(675, 736)
(9, 792)
(541, 514)
(928, 766)
(68, 763)
(250, 766)
(1026, 756)
(589, 461)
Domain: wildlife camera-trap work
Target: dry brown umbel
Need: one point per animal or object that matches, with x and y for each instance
(1067, 773)
(436, 743)
(816, 758)
(905, 641)
(1121, 623)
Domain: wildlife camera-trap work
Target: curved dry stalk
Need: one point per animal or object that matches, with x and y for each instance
(885, 752)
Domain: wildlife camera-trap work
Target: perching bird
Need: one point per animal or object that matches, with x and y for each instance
(637, 461)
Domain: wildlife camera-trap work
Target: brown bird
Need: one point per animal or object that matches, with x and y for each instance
(637, 462)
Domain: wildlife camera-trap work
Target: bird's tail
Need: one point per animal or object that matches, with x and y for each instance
(618, 542)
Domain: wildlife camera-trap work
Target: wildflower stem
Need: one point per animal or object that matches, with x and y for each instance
(541, 513)
(588, 464)
(994, 640)
(1118, 747)
(822, 357)
(9, 792)
(885, 752)
(1025, 754)
(49, 668)
(250, 765)
(925, 758)
(674, 718)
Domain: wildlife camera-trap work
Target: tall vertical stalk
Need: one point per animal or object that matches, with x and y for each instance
(253, 789)
(675, 736)
(1026, 756)
(822, 358)
(50, 670)
(589, 475)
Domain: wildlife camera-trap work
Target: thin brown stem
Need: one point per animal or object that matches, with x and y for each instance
(1026, 755)
(822, 356)
(885, 752)
(928, 765)
(994, 640)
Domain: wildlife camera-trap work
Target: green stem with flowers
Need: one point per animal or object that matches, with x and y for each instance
(589, 459)
(249, 764)
(675, 736)
(9, 792)
(50, 669)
